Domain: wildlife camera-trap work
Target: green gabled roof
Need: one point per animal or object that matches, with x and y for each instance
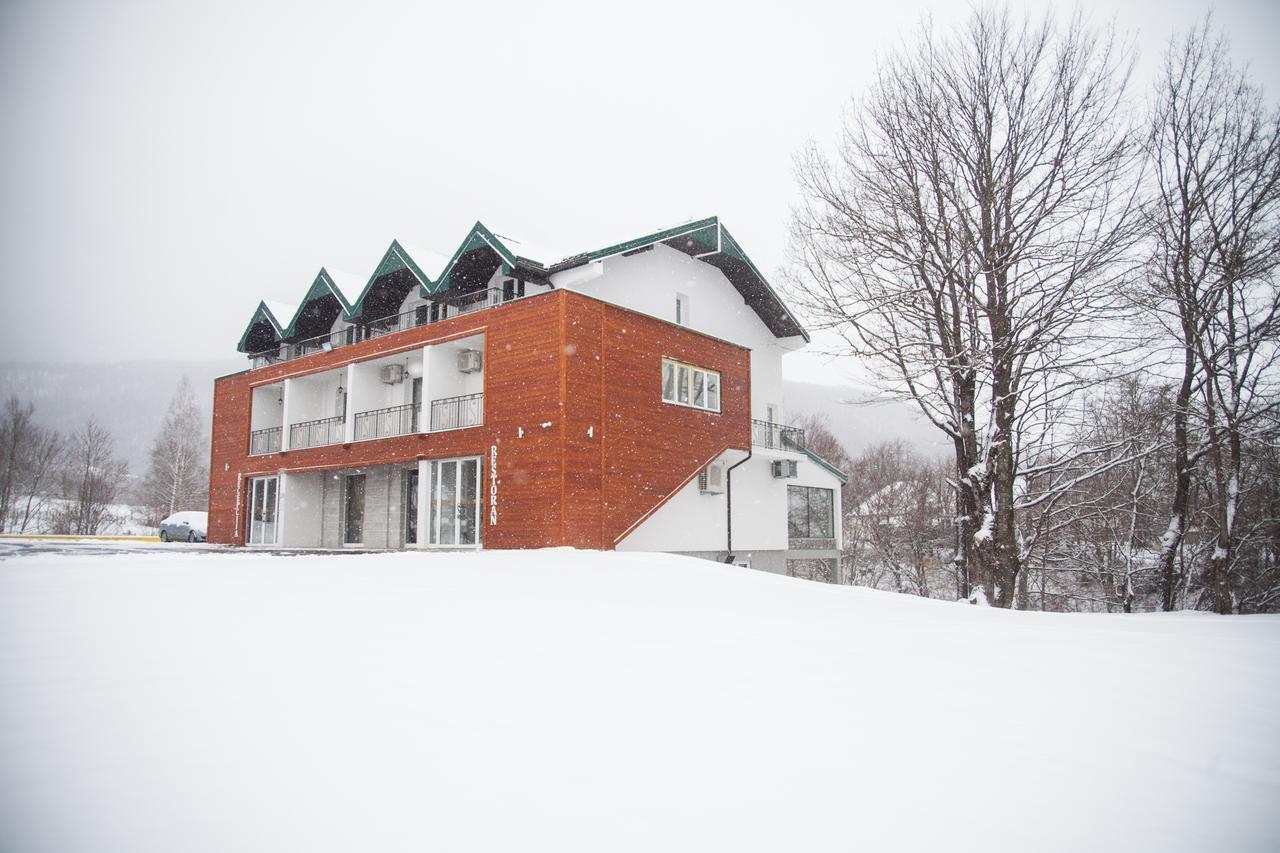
(477, 238)
(710, 242)
(322, 286)
(701, 232)
(260, 314)
(396, 258)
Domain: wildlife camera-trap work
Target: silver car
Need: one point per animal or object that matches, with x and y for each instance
(184, 527)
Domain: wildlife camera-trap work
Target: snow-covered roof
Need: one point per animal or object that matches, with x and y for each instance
(282, 312)
(705, 239)
(431, 263)
(539, 254)
(349, 283)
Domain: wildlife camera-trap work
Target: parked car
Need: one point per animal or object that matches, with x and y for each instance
(184, 527)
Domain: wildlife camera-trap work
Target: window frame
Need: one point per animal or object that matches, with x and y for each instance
(686, 389)
(808, 532)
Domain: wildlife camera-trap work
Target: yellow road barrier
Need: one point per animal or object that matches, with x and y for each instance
(70, 538)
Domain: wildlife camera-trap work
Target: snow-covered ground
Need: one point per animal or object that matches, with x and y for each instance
(196, 700)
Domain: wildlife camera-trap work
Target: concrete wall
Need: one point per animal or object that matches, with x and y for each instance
(383, 508)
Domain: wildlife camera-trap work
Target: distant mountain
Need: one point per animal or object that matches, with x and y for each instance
(128, 398)
(859, 422)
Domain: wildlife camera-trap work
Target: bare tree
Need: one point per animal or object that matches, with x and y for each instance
(1215, 151)
(29, 456)
(967, 241)
(92, 479)
(177, 478)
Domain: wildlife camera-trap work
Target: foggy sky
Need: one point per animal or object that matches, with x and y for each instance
(164, 166)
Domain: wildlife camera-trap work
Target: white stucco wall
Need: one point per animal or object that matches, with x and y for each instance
(443, 377)
(691, 521)
(301, 502)
(267, 410)
(649, 282)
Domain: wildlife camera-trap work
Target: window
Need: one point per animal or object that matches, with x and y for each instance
(353, 521)
(686, 385)
(810, 513)
(682, 310)
(512, 288)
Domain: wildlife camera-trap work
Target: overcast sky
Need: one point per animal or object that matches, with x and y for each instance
(163, 166)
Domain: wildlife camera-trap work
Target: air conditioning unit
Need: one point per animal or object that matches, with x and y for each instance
(711, 480)
(784, 469)
(392, 374)
(469, 361)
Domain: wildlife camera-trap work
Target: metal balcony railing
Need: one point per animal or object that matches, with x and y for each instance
(317, 433)
(422, 315)
(383, 423)
(265, 440)
(776, 436)
(457, 412)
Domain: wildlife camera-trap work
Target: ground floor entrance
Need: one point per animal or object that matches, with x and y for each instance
(453, 499)
(429, 503)
(264, 496)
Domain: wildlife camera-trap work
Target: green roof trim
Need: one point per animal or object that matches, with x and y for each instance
(711, 242)
(396, 258)
(262, 312)
(648, 239)
(477, 238)
(731, 247)
(321, 287)
(822, 463)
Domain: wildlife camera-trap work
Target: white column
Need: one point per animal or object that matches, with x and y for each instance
(280, 505)
(424, 495)
(424, 416)
(349, 434)
(284, 417)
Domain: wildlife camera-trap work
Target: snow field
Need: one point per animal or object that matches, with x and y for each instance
(209, 701)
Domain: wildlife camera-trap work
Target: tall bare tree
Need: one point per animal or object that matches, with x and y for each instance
(29, 458)
(177, 477)
(92, 480)
(966, 240)
(1215, 152)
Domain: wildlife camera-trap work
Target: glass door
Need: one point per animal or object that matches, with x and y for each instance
(454, 494)
(263, 496)
(411, 507)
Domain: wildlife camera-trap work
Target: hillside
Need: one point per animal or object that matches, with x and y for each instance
(573, 701)
(130, 399)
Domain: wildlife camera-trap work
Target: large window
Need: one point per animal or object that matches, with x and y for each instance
(686, 385)
(810, 513)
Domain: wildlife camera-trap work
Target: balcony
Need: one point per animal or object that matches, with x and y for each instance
(457, 412)
(262, 441)
(422, 315)
(317, 433)
(776, 436)
(384, 423)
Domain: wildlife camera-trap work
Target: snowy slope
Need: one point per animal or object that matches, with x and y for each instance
(181, 700)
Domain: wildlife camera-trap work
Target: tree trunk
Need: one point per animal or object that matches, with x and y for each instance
(1173, 535)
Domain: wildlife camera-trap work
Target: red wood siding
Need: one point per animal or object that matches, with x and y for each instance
(611, 452)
